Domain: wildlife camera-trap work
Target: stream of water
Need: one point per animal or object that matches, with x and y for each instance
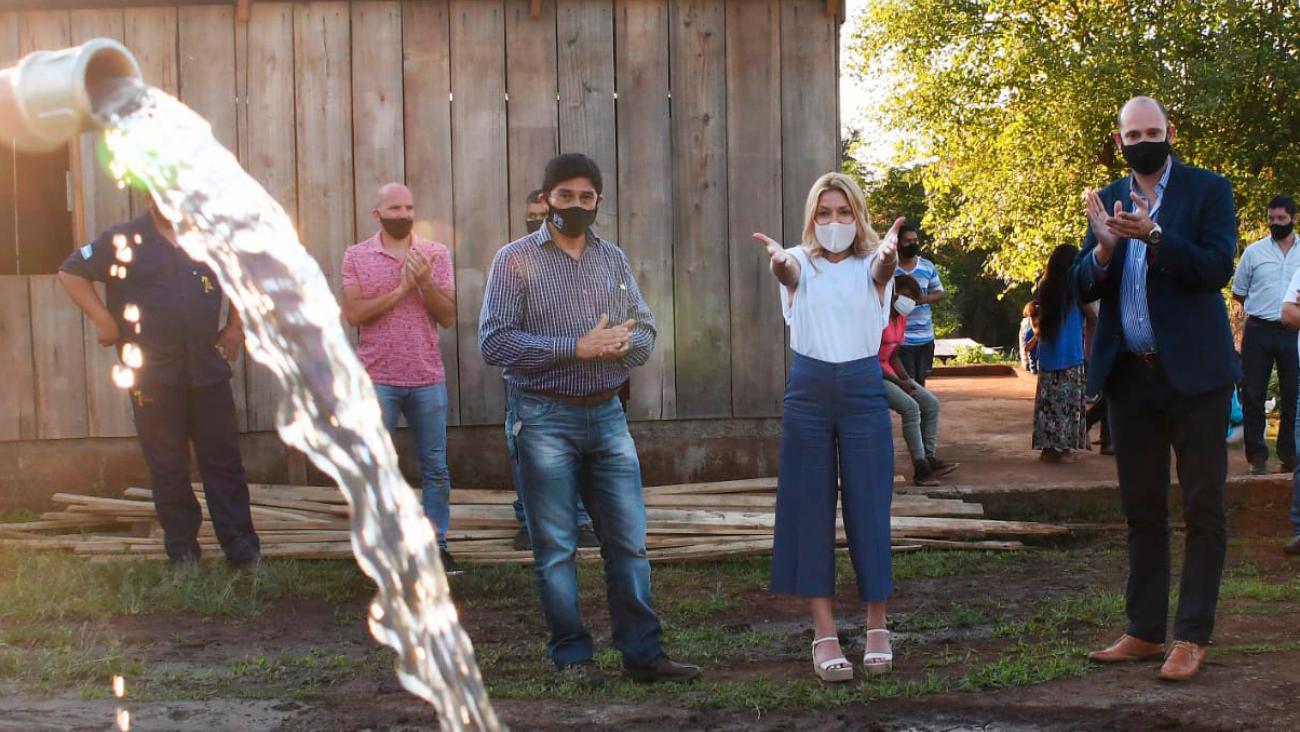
(327, 408)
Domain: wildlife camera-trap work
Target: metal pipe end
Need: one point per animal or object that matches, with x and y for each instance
(49, 97)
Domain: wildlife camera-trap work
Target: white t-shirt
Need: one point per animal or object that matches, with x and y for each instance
(836, 314)
(1290, 295)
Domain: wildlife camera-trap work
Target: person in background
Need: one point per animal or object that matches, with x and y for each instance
(836, 287)
(1059, 419)
(534, 211)
(398, 289)
(1029, 337)
(1281, 225)
(181, 392)
(1096, 403)
(534, 217)
(917, 351)
(1265, 270)
(917, 406)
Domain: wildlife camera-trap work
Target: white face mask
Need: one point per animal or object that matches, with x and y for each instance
(835, 237)
(904, 305)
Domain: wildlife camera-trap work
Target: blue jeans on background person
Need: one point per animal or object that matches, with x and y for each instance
(563, 451)
(425, 408)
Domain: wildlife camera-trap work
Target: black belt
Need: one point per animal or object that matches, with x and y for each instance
(1145, 360)
(1274, 324)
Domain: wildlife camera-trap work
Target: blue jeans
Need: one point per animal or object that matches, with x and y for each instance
(563, 451)
(583, 518)
(425, 408)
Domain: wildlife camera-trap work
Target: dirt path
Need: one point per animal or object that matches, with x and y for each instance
(986, 423)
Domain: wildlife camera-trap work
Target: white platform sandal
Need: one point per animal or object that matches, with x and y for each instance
(878, 662)
(833, 670)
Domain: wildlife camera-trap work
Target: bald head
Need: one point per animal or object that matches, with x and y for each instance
(1143, 107)
(395, 209)
(390, 193)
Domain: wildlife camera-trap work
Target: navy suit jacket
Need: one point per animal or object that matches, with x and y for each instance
(1185, 282)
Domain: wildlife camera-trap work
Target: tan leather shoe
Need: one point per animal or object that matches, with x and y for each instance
(1128, 650)
(1184, 660)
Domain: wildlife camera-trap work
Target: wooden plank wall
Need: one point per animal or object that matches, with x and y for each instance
(645, 180)
(710, 120)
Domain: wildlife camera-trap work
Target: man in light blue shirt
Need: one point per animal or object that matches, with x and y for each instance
(1260, 285)
(917, 351)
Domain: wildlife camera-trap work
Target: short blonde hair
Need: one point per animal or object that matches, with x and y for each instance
(865, 242)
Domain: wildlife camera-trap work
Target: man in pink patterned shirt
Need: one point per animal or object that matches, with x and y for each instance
(398, 289)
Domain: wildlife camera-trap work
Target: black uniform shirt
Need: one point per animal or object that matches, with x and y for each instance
(179, 303)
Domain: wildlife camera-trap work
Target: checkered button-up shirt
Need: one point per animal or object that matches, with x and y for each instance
(540, 301)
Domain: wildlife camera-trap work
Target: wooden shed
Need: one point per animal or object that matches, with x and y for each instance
(709, 118)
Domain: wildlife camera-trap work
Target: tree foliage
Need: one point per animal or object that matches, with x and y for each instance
(1015, 100)
(977, 303)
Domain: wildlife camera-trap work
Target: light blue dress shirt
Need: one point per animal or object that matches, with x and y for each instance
(1135, 315)
(1262, 277)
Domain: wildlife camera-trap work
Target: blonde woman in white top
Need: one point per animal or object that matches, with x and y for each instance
(836, 291)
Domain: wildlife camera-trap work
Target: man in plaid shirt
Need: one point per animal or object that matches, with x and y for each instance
(564, 316)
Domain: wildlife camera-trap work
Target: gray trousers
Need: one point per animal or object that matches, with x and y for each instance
(920, 413)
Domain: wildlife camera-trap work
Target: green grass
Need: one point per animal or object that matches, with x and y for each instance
(1093, 609)
(67, 587)
(47, 660)
(1028, 664)
(18, 515)
(1246, 582)
(49, 643)
(258, 676)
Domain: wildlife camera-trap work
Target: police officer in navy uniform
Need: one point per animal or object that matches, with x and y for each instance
(163, 316)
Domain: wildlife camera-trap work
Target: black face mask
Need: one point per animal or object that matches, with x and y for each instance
(1281, 231)
(1147, 157)
(572, 221)
(397, 228)
(909, 251)
(533, 224)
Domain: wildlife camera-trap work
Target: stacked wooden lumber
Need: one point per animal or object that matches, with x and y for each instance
(684, 522)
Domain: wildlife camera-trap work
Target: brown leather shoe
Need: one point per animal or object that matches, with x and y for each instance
(1128, 650)
(1184, 660)
(1293, 546)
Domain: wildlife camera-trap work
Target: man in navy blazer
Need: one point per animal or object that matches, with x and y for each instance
(1158, 253)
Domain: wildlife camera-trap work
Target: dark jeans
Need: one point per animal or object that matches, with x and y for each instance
(564, 451)
(918, 360)
(167, 420)
(1147, 418)
(1264, 344)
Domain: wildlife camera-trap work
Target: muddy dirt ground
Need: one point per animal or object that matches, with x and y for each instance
(984, 642)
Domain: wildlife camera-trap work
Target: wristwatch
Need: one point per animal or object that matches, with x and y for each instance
(1156, 235)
